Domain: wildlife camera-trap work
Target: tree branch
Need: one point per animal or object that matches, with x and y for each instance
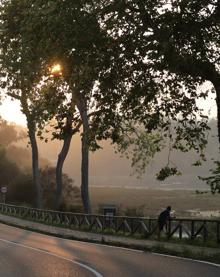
(13, 95)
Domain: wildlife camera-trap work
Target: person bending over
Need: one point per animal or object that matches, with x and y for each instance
(162, 220)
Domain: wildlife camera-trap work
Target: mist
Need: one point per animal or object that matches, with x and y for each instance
(108, 169)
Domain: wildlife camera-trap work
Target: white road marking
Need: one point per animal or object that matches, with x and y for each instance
(187, 259)
(96, 273)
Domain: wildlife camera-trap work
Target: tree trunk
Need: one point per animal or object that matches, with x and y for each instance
(60, 161)
(31, 125)
(218, 110)
(82, 106)
(216, 84)
(35, 164)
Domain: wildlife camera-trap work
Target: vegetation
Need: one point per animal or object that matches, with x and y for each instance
(150, 202)
(71, 200)
(16, 176)
(128, 71)
(19, 73)
(179, 40)
(214, 180)
(162, 61)
(10, 172)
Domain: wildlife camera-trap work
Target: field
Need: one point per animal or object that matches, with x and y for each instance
(150, 202)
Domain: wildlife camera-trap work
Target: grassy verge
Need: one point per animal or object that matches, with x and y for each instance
(186, 253)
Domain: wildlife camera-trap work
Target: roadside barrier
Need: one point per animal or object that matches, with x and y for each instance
(202, 230)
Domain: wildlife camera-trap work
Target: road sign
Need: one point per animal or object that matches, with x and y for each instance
(4, 189)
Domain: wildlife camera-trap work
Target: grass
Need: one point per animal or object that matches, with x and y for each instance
(186, 253)
(153, 200)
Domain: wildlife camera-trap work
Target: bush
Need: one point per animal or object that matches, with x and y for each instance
(71, 200)
(21, 190)
(135, 211)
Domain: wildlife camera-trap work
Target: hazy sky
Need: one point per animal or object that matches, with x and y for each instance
(10, 110)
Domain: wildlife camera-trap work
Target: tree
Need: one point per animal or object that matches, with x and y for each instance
(22, 191)
(158, 62)
(8, 133)
(138, 146)
(9, 170)
(79, 49)
(179, 37)
(71, 194)
(10, 173)
(20, 72)
(56, 106)
(114, 70)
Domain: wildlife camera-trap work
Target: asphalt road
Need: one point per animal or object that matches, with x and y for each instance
(24, 254)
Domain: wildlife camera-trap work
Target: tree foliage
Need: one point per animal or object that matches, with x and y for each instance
(214, 180)
(123, 61)
(174, 45)
(71, 194)
(164, 52)
(140, 147)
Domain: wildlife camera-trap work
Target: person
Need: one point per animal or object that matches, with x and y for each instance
(162, 219)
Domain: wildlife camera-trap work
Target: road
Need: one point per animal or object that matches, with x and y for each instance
(24, 253)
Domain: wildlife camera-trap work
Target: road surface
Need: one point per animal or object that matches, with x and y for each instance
(24, 253)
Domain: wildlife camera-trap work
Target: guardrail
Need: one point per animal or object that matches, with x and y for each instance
(178, 228)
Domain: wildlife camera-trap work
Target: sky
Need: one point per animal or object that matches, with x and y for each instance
(10, 110)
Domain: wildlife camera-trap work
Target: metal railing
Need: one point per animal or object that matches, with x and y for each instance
(140, 227)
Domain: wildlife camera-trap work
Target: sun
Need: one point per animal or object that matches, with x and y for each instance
(56, 69)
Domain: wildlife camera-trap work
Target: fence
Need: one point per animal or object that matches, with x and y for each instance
(178, 228)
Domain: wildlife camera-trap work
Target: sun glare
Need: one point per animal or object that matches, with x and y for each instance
(56, 69)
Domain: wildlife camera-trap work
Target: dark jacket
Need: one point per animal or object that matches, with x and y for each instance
(164, 216)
